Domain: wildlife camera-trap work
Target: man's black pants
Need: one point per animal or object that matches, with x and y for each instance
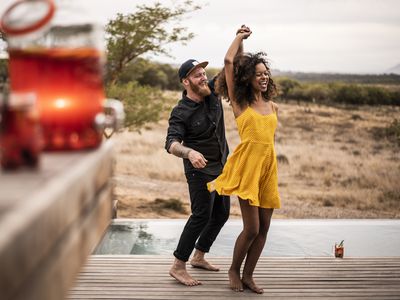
(210, 211)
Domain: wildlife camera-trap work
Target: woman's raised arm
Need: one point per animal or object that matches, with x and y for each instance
(236, 48)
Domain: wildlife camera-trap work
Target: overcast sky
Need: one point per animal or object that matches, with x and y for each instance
(347, 36)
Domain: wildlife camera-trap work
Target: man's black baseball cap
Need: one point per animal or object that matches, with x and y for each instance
(188, 66)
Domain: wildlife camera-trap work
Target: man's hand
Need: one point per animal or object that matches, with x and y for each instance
(197, 159)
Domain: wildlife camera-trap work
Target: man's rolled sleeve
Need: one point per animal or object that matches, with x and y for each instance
(176, 130)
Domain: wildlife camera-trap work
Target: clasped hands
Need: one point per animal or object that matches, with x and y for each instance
(244, 31)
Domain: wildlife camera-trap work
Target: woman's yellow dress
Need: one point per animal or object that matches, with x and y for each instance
(251, 172)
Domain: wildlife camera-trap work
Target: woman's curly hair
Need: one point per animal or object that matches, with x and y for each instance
(244, 67)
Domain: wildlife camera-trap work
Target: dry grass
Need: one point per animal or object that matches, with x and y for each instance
(331, 165)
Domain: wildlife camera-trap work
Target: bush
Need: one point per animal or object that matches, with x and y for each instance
(285, 86)
(349, 94)
(392, 132)
(318, 93)
(337, 93)
(145, 72)
(376, 95)
(298, 93)
(171, 204)
(162, 76)
(142, 104)
(395, 98)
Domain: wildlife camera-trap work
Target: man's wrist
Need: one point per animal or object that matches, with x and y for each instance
(182, 151)
(179, 150)
(187, 152)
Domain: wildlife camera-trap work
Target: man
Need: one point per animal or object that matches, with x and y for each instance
(196, 133)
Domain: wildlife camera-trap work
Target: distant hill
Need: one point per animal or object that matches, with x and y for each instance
(387, 78)
(394, 70)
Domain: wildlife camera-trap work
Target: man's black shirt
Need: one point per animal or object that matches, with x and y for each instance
(200, 126)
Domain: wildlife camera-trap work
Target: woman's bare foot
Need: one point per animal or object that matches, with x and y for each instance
(249, 283)
(178, 271)
(234, 281)
(203, 264)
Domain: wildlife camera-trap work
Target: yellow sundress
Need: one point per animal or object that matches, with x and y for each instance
(251, 172)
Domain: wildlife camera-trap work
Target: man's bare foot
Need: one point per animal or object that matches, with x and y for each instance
(203, 264)
(249, 283)
(178, 271)
(198, 261)
(234, 281)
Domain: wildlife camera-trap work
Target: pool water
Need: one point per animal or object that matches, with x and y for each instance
(297, 238)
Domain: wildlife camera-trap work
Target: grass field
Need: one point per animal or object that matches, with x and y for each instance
(334, 162)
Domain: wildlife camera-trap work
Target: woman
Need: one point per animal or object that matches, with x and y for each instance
(251, 171)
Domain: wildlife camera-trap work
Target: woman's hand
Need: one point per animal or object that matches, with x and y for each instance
(244, 31)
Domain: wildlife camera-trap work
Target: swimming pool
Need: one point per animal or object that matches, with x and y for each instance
(296, 238)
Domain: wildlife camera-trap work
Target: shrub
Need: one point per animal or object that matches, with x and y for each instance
(376, 95)
(282, 159)
(328, 203)
(395, 97)
(142, 104)
(334, 92)
(392, 132)
(285, 85)
(298, 93)
(318, 93)
(350, 94)
(172, 204)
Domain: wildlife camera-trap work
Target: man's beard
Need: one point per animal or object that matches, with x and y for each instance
(202, 91)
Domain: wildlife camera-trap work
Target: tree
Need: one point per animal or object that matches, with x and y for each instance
(132, 35)
(128, 38)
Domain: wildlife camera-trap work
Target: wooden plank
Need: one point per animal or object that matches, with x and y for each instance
(146, 277)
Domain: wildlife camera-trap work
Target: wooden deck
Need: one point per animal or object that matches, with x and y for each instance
(146, 277)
